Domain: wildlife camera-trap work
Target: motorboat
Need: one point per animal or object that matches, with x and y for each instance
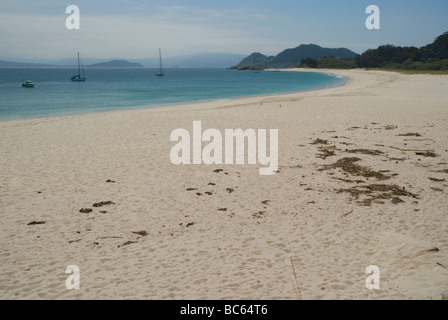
(28, 84)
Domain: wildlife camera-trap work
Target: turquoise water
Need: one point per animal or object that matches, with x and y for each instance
(117, 89)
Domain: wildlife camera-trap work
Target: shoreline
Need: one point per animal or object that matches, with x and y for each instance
(362, 181)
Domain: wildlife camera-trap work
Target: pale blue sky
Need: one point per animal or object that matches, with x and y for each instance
(137, 28)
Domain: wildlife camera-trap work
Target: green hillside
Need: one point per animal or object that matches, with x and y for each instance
(433, 56)
(291, 57)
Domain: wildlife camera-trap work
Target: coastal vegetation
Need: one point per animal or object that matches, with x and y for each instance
(431, 58)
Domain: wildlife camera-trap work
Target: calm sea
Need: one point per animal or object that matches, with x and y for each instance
(122, 88)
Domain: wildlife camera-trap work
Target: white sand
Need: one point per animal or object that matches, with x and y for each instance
(51, 168)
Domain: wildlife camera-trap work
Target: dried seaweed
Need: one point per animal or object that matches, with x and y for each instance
(435, 179)
(348, 165)
(365, 151)
(32, 223)
(319, 141)
(325, 153)
(409, 134)
(126, 243)
(141, 233)
(426, 154)
(102, 203)
(378, 192)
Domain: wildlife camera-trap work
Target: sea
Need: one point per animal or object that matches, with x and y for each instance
(109, 89)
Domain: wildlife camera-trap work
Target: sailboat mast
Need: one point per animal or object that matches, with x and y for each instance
(160, 72)
(79, 70)
(78, 76)
(160, 59)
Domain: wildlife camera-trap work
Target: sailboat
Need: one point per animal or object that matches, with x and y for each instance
(160, 72)
(78, 77)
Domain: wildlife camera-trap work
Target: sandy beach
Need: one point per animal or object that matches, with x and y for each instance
(362, 180)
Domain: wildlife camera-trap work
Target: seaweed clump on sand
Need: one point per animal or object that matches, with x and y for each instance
(409, 134)
(348, 165)
(326, 152)
(377, 193)
(365, 151)
(426, 154)
(319, 141)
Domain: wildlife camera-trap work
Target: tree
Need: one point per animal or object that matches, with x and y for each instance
(308, 63)
(439, 47)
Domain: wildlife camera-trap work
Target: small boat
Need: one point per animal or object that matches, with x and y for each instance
(160, 72)
(28, 84)
(78, 77)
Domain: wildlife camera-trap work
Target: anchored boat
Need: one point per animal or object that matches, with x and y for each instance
(160, 72)
(28, 84)
(78, 77)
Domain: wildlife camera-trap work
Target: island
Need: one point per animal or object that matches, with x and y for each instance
(116, 64)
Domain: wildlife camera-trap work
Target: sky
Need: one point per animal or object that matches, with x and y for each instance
(132, 29)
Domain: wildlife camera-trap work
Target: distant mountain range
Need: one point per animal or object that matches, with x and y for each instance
(198, 60)
(433, 56)
(285, 59)
(116, 64)
(109, 64)
(11, 64)
(292, 57)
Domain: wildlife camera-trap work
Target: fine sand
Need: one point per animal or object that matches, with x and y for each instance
(362, 180)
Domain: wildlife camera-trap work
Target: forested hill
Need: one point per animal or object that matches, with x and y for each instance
(433, 56)
(291, 57)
